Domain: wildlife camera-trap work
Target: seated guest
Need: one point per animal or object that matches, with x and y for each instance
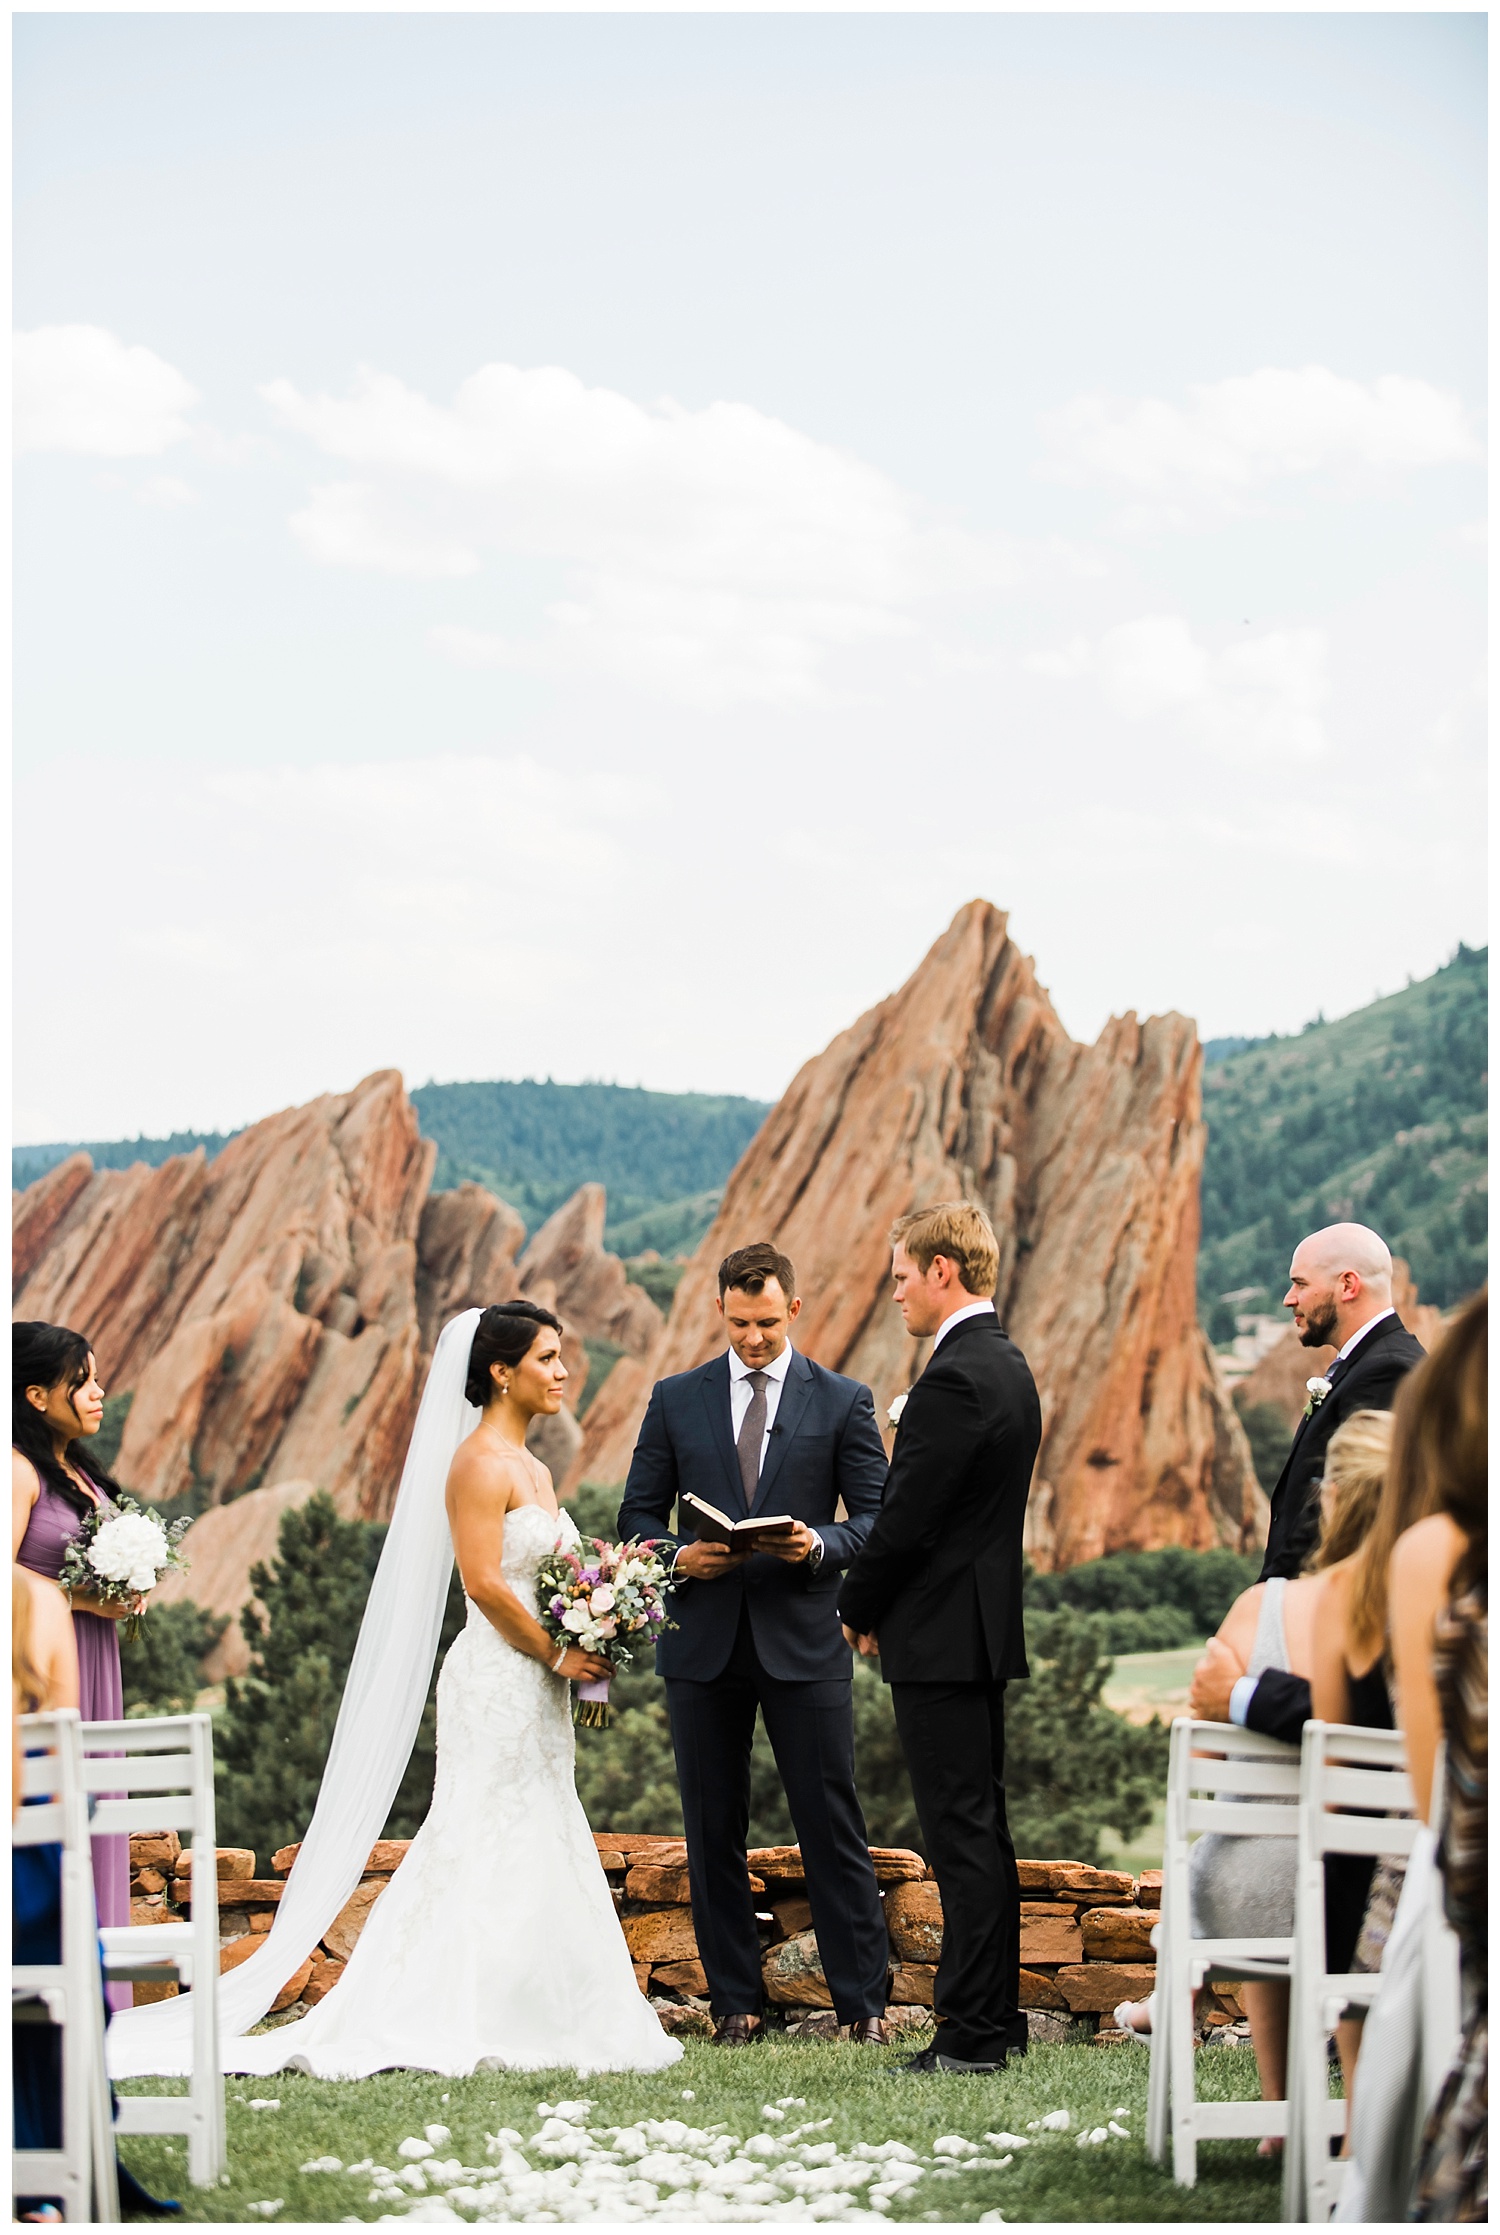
(1439, 1620)
(1339, 1293)
(43, 1674)
(1244, 1885)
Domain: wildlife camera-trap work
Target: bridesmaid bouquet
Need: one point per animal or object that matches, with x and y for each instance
(610, 1599)
(118, 1556)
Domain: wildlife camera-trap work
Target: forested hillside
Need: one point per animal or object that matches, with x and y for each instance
(663, 1158)
(1380, 1116)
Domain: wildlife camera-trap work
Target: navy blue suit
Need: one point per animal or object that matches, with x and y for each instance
(766, 1636)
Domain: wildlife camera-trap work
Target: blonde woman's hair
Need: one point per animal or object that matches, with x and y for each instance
(1354, 1467)
(28, 1682)
(959, 1231)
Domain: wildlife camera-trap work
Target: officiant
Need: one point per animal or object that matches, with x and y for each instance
(761, 1432)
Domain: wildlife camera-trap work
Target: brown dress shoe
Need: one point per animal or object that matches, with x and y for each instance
(875, 2031)
(736, 2030)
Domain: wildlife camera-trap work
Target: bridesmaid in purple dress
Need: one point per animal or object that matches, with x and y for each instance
(56, 1403)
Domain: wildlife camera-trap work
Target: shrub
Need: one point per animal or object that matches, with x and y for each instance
(159, 1669)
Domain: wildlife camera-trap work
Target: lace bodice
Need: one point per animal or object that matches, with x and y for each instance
(531, 1533)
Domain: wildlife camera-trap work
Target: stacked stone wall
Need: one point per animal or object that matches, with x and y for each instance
(1085, 1932)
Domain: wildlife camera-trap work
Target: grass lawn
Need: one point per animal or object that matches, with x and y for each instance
(847, 2096)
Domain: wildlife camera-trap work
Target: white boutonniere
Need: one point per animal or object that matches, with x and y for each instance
(896, 1407)
(1318, 1387)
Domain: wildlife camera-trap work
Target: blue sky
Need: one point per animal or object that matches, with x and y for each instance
(572, 544)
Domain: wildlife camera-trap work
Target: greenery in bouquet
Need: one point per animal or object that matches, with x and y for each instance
(609, 1599)
(117, 1557)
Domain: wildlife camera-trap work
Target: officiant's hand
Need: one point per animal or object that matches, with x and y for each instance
(707, 1561)
(791, 1545)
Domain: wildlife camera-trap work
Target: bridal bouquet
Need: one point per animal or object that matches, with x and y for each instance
(610, 1599)
(118, 1556)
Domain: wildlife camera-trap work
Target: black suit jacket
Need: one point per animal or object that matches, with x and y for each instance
(1365, 1383)
(939, 1579)
(824, 1448)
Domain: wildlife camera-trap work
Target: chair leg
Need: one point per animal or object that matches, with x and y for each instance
(1182, 2077)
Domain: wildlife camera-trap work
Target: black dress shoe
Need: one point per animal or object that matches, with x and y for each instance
(736, 2030)
(934, 2059)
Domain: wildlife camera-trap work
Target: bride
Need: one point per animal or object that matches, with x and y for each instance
(496, 1944)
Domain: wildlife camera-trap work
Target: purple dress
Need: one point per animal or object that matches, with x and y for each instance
(101, 1699)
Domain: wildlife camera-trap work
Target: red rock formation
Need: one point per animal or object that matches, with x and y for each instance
(592, 1290)
(1280, 1378)
(1088, 1159)
(262, 1308)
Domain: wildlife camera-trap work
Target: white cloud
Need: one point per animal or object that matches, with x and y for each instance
(82, 390)
(166, 493)
(1257, 701)
(714, 554)
(1234, 435)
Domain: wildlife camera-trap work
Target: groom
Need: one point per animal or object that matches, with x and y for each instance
(761, 1430)
(937, 1593)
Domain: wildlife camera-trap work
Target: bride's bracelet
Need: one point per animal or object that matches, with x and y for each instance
(562, 1654)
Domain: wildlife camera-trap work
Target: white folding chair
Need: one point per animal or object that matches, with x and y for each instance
(69, 1994)
(166, 1778)
(1356, 1799)
(1225, 1779)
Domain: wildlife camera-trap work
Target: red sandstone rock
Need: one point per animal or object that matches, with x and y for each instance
(235, 1862)
(154, 1849)
(793, 1915)
(1088, 1158)
(347, 1926)
(1118, 1935)
(466, 1256)
(1038, 1992)
(895, 1866)
(1103, 1986)
(777, 1866)
(324, 1975)
(1049, 1934)
(651, 1882)
(793, 1973)
(914, 1920)
(912, 1983)
(661, 1936)
(594, 1293)
(682, 1978)
(235, 1952)
(1148, 1890)
(221, 1547)
(262, 1308)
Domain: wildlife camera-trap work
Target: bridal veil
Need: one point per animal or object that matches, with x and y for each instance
(372, 1739)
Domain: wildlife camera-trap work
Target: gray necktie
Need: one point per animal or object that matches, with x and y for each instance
(752, 1435)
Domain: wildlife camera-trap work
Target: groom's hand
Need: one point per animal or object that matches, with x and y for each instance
(869, 1644)
(707, 1561)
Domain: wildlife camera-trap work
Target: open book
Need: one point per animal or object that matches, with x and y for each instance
(713, 1527)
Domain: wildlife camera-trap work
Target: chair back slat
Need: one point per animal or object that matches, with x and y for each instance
(1342, 1787)
(150, 1773)
(40, 1825)
(1254, 1778)
(1265, 1819)
(144, 1734)
(1364, 1835)
(114, 1816)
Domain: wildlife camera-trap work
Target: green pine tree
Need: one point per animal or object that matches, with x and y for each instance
(160, 1668)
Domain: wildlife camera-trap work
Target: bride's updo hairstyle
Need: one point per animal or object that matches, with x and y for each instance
(504, 1335)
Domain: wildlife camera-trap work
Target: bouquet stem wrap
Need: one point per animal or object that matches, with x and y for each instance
(591, 1705)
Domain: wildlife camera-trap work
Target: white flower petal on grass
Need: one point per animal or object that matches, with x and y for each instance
(268, 2208)
(1056, 2122)
(437, 2133)
(1004, 2141)
(414, 2146)
(264, 2103)
(954, 2145)
(329, 2165)
(1123, 2132)
(772, 2111)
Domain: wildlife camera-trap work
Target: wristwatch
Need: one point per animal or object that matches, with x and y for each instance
(815, 1553)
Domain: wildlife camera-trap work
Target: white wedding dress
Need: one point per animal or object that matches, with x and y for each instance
(496, 1944)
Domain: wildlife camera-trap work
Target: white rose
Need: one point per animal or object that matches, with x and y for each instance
(601, 1599)
(896, 1407)
(131, 1549)
(1318, 1387)
(576, 1619)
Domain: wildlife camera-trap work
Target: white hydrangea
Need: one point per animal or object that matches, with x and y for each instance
(131, 1550)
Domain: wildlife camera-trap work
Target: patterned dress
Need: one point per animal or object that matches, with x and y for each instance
(1453, 2178)
(53, 1525)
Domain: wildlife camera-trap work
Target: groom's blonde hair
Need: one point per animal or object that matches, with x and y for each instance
(959, 1231)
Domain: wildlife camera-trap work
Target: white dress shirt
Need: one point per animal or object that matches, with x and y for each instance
(956, 1319)
(1244, 1687)
(740, 1394)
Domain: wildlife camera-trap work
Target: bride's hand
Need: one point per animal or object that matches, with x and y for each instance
(578, 1667)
